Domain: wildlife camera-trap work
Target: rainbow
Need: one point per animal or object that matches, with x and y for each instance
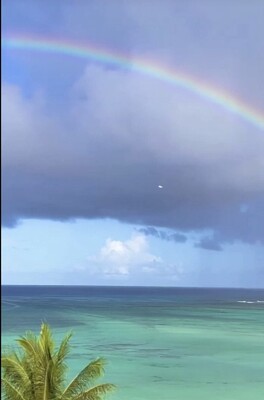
(152, 69)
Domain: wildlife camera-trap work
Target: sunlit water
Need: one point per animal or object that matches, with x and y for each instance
(160, 343)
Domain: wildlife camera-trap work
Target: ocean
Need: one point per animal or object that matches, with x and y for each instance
(160, 343)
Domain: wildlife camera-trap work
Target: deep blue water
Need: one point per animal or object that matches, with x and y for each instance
(222, 295)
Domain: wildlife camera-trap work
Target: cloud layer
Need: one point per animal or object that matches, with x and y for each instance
(122, 137)
(116, 136)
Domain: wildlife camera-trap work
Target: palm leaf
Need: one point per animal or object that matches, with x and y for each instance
(64, 349)
(59, 366)
(28, 343)
(96, 392)
(37, 373)
(46, 342)
(47, 385)
(11, 392)
(36, 357)
(16, 370)
(92, 371)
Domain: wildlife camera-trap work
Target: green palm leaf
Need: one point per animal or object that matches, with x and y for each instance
(16, 370)
(95, 392)
(45, 341)
(38, 372)
(11, 392)
(91, 372)
(28, 343)
(47, 385)
(64, 349)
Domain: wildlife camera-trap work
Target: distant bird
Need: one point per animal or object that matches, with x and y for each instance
(160, 187)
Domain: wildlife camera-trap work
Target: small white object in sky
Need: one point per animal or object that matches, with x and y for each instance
(160, 187)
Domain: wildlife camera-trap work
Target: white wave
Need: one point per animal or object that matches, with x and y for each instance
(250, 302)
(14, 305)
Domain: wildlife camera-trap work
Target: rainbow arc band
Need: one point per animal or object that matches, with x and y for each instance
(152, 69)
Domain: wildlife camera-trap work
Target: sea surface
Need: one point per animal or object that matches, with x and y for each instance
(160, 343)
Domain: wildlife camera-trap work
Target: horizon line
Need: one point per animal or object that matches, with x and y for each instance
(137, 286)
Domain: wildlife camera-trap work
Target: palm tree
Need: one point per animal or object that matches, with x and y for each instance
(37, 372)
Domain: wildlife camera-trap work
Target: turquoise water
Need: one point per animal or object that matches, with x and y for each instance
(160, 343)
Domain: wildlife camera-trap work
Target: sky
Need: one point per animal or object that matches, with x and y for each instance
(111, 176)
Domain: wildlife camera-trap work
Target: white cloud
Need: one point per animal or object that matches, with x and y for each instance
(131, 258)
(118, 257)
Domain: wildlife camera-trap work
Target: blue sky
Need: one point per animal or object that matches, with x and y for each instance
(86, 147)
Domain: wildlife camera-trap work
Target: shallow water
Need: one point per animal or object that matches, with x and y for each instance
(164, 343)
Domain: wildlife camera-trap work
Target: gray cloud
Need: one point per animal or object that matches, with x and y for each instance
(121, 138)
(118, 135)
(175, 237)
(209, 243)
(218, 42)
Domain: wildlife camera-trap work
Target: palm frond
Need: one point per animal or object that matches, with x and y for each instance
(91, 372)
(96, 392)
(59, 365)
(11, 392)
(37, 372)
(45, 341)
(64, 349)
(29, 345)
(46, 389)
(15, 371)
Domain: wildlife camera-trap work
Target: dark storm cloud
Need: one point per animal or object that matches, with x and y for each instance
(118, 135)
(120, 141)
